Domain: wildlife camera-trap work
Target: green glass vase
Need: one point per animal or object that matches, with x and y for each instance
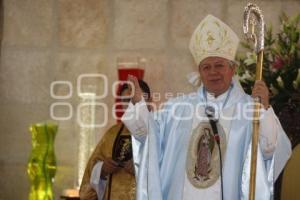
(41, 166)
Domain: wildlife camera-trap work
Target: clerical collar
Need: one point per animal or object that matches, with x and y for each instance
(211, 96)
(223, 98)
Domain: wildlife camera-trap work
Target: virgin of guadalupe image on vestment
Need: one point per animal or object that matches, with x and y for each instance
(203, 160)
(205, 148)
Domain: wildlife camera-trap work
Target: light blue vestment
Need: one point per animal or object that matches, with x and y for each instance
(160, 144)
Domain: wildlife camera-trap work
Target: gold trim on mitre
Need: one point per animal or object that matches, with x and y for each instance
(213, 37)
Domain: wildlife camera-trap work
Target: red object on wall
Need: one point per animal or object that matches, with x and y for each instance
(124, 72)
(125, 69)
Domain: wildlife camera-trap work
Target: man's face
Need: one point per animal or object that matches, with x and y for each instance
(126, 97)
(216, 74)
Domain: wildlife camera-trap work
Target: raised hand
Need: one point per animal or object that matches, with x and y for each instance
(137, 91)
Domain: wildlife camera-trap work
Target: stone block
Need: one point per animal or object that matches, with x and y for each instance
(28, 22)
(83, 23)
(70, 66)
(187, 14)
(140, 24)
(25, 76)
(14, 181)
(176, 71)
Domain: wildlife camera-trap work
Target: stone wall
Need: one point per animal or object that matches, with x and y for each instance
(50, 40)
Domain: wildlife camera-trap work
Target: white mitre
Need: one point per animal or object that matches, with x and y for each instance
(213, 37)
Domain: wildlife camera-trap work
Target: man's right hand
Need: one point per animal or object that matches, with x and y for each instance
(109, 167)
(137, 91)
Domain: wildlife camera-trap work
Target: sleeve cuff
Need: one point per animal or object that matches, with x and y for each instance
(96, 182)
(268, 132)
(136, 118)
